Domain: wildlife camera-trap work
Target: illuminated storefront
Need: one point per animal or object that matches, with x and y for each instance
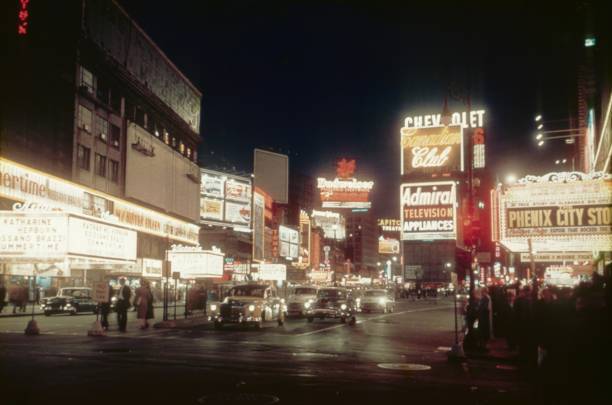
(55, 228)
(567, 217)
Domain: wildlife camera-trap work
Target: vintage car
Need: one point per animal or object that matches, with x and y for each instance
(249, 304)
(69, 300)
(377, 300)
(298, 299)
(332, 302)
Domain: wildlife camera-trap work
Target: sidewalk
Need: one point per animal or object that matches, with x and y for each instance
(497, 351)
(7, 312)
(198, 319)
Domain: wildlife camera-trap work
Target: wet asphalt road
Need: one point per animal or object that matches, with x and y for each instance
(299, 363)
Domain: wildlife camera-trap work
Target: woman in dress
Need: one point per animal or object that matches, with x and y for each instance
(144, 304)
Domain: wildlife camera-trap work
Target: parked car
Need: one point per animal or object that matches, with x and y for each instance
(298, 299)
(332, 302)
(69, 300)
(249, 304)
(374, 300)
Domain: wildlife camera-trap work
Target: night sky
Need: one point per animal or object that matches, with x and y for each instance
(325, 80)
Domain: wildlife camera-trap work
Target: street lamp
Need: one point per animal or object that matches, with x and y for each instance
(510, 179)
(538, 118)
(540, 143)
(540, 126)
(539, 136)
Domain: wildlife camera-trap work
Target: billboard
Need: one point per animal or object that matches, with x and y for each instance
(272, 272)
(332, 223)
(428, 211)
(193, 262)
(559, 212)
(272, 174)
(388, 246)
(225, 199)
(259, 208)
(432, 150)
(390, 225)
(289, 240)
(305, 236)
(342, 193)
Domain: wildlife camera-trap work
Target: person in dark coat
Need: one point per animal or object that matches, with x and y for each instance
(2, 295)
(484, 318)
(104, 308)
(144, 304)
(123, 304)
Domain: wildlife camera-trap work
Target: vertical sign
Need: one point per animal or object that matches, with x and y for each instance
(259, 206)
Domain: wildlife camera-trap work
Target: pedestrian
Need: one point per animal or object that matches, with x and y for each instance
(123, 303)
(14, 296)
(2, 295)
(484, 318)
(144, 304)
(204, 297)
(526, 337)
(24, 297)
(104, 308)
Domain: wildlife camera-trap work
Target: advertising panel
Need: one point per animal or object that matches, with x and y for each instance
(225, 199)
(212, 185)
(211, 209)
(272, 174)
(237, 191)
(237, 213)
(151, 268)
(388, 246)
(305, 237)
(259, 206)
(432, 150)
(89, 238)
(289, 240)
(560, 212)
(428, 211)
(332, 223)
(341, 193)
(272, 272)
(193, 262)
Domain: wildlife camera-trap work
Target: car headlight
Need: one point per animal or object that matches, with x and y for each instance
(307, 304)
(282, 300)
(343, 306)
(68, 305)
(213, 307)
(382, 301)
(251, 307)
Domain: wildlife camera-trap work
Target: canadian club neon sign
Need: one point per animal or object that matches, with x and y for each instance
(432, 150)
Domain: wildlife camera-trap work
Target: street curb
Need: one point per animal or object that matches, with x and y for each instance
(181, 323)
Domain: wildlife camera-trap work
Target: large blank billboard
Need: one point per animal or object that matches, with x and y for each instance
(272, 174)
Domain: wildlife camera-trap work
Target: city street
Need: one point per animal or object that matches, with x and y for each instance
(299, 363)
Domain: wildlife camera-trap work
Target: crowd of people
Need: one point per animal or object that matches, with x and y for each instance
(17, 295)
(561, 336)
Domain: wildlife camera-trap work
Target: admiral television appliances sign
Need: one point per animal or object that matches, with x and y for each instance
(429, 211)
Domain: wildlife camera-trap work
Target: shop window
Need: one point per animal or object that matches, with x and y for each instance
(166, 137)
(83, 156)
(101, 128)
(113, 167)
(115, 135)
(87, 80)
(182, 147)
(100, 165)
(84, 119)
(189, 153)
(173, 142)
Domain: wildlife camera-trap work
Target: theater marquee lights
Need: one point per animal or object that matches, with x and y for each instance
(569, 212)
(429, 211)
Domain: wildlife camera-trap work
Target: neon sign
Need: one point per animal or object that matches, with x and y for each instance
(23, 16)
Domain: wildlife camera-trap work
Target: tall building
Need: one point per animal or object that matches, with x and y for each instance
(362, 242)
(105, 123)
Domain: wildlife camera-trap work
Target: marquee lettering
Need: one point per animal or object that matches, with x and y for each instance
(429, 157)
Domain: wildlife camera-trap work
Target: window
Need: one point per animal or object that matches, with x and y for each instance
(166, 137)
(115, 135)
(189, 152)
(84, 118)
(83, 155)
(101, 128)
(102, 91)
(87, 80)
(195, 156)
(173, 142)
(140, 117)
(100, 165)
(182, 147)
(113, 167)
(115, 100)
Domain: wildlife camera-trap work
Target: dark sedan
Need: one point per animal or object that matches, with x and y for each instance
(336, 303)
(70, 300)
